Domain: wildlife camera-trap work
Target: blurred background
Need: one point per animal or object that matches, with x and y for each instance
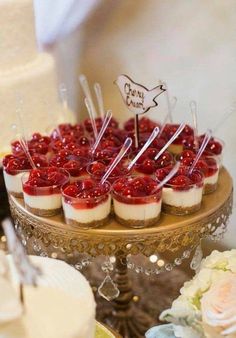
(191, 44)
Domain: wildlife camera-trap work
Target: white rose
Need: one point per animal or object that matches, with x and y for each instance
(220, 260)
(218, 307)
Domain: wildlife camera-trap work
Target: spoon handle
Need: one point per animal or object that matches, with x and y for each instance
(106, 122)
(146, 145)
(123, 151)
(169, 176)
(205, 141)
(176, 134)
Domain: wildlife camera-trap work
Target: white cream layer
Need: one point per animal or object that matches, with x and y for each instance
(13, 182)
(185, 198)
(212, 179)
(137, 211)
(47, 202)
(89, 215)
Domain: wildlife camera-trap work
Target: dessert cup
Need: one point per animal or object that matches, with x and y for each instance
(147, 165)
(14, 167)
(75, 165)
(182, 195)
(86, 203)
(42, 190)
(97, 169)
(137, 201)
(13, 181)
(208, 165)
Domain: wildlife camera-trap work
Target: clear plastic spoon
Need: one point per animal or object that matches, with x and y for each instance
(205, 141)
(85, 86)
(176, 134)
(25, 148)
(168, 101)
(127, 144)
(105, 124)
(146, 145)
(91, 116)
(172, 173)
(193, 110)
(167, 115)
(98, 92)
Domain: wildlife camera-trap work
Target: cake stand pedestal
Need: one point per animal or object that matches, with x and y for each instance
(171, 235)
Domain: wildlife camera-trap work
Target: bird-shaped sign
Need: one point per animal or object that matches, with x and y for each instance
(137, 98)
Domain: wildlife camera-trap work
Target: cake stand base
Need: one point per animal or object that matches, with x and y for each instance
(129, 321)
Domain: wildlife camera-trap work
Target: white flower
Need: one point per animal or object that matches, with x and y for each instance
(218, 306)
(187, 332)
(220, 260)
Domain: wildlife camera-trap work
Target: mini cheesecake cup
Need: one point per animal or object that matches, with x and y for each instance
(43, 201)
(13, 181)
(87, 212)
(111, 179)
(182, 201)
(139, 170)
(211, 176)
(137, 212)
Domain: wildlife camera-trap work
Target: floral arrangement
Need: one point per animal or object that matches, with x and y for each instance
(206, 307)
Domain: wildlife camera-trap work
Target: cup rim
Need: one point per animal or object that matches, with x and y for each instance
(158, 191)
(199, 185)
(87, 198)
(54, 186)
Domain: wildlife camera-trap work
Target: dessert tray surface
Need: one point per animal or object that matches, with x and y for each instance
(210, 204)
(170, 233)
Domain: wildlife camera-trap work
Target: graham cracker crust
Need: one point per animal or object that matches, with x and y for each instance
(209, 188)
(89, 225)
(179, 211)
(43, 212)
(16, 194)
(138, 224)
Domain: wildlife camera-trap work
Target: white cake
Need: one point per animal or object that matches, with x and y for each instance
(24, 72)
(62, 306)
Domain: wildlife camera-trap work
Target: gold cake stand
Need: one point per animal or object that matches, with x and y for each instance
(169, 235)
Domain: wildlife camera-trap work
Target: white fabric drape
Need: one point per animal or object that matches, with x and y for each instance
(56, 19)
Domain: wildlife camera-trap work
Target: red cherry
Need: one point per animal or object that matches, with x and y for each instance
(35, 173)
(87, 184)
(215, 147)
(188, 161)
(187, 154)
(71, 190)
(202, 166)
(180, 182)
(151, 153)
(148, 167)
(98, 168)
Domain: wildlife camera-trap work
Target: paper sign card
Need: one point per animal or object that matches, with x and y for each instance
(27, 272)
(137, 98)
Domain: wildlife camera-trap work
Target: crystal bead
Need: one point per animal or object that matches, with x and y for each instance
(107, 266)
(130, 265)
(78, 266)
(178, 261)
(197, 258)
(169, 267)
(108, 289)
(186, 254)
(138, 269)
(86, 262)
(43, 254)
(36, 246)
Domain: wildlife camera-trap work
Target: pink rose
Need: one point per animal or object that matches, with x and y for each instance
(219, 308)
